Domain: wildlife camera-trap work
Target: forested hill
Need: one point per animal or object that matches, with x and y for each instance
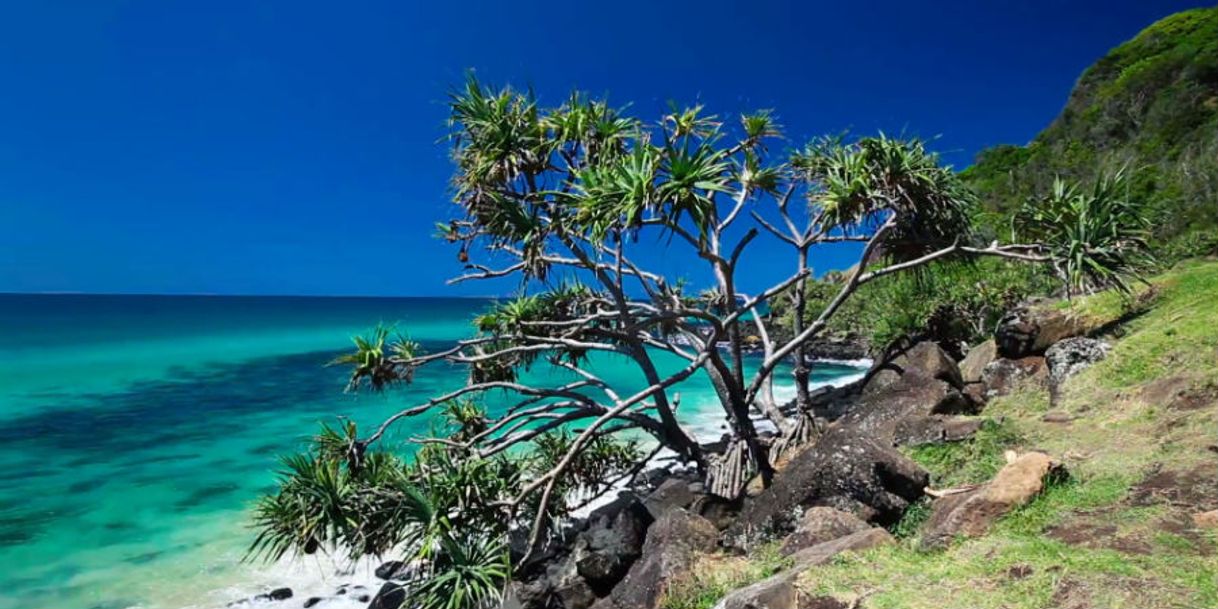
(1150, 104)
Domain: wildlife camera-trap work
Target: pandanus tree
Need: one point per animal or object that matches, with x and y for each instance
(571, 202)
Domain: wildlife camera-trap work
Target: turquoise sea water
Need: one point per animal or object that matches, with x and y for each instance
(135, 431)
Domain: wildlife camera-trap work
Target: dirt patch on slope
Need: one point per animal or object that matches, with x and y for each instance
(1180, 393)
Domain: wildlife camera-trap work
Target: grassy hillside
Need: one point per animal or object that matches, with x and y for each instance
(1142, 456)
(1151, 103)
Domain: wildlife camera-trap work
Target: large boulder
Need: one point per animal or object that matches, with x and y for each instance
(672, 493)
(970, 514)
(390, 596)
(1002, 376)
(597, 558)
(818, 525)
(560, 586)
(925, 359)
(845, 469)
(781, 592)
(1032, 328)
(1071, 356)
(673, 543)
(935, 429)
(976, 360)
(611, 542)
(912, 395)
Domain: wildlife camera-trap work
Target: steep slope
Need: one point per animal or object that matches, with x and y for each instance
(1151, 104)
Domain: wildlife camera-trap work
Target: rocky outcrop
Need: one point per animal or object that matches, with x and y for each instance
(673, 543)
(819, 525)
(971, 513)
(1002, 376)
(1032, 328)
(846, 470)
(781, 591)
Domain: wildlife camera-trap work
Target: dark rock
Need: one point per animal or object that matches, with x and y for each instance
(935, 429)
(1071, 356)
(913, 395)
(312, 600)
(926, 359)
(672, 493)
(977, 359)
(278, 594)
(1030, 329)
(390, 596)
(559, 586)
(673, 543)
(394, 569)
(363, 598)
(818, 525)
(780, 591)
(1002, 376)
(845, 469)
(612, 541)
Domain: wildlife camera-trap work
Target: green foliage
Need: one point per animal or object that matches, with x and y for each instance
(379, 360)
(446, 509)
(1151, 104)
(958, 301)
(1096, 238)
(858, 180)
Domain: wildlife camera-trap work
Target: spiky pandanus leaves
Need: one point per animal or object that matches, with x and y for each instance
(379, 360)
(1096, 237)
(863, 182)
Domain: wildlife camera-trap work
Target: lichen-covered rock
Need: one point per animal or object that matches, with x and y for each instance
(818, 525)
(673, 542)
(780, 591)
(1002, 376)
(1073, 355)
(970, 514)
(845, 469)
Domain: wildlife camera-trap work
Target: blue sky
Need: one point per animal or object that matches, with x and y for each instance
(293, 147)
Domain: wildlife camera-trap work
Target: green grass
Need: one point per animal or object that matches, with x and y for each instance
(713, 577)
(972, 462)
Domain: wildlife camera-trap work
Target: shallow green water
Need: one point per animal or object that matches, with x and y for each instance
(136, 430)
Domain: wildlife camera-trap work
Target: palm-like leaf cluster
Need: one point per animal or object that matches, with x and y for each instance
(379, 359)
(860, 182)
(1096, 237)
(445, 510)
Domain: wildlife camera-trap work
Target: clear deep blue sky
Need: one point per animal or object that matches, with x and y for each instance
(292, 147)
